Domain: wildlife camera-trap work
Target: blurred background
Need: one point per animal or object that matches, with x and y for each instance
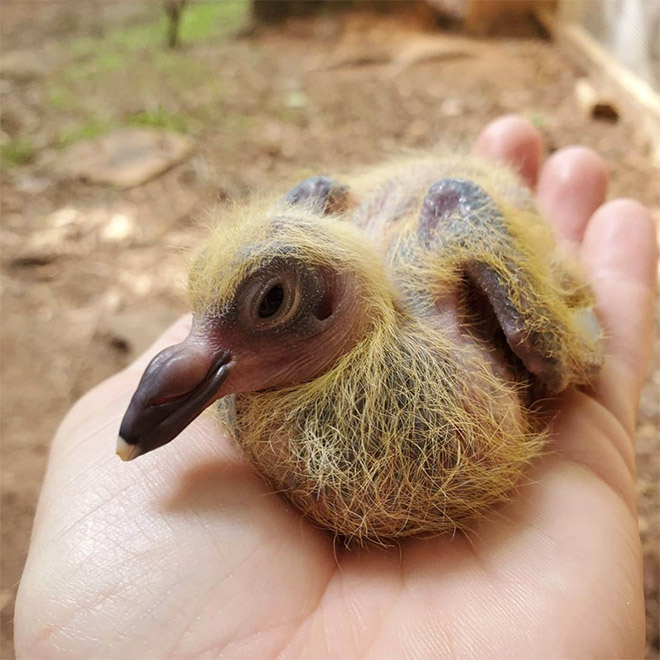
(122, 123)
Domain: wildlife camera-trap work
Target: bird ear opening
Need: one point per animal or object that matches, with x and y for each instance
(325, 307)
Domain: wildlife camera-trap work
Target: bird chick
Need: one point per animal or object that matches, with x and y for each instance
(374, 347)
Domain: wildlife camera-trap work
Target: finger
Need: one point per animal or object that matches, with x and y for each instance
(515, 142)
(620, 252)
(572, 185)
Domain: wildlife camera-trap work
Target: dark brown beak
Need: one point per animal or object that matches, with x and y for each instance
(179, 383)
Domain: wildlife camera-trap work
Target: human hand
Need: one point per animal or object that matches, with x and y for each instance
(185, 553)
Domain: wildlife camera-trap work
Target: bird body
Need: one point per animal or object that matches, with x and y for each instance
(396, 439)
(380, 343)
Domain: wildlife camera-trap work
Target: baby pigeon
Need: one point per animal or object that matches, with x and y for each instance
(375, 347)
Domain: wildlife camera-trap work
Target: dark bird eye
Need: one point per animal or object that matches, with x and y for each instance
(271, 302)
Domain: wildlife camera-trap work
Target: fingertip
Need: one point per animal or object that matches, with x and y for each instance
(620, 241)
(514, 141)
(572, 185)
(620, 253)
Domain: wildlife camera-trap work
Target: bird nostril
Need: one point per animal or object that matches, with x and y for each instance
(167, 399)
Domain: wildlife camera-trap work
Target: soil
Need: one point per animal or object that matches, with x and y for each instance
(91, 275)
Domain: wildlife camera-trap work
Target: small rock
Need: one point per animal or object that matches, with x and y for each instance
(112, 300)
(124, 158)
(33, 185)
(296, 99)
(120, 227)
(43, 247)
(451, 107)
(63, 217)
(35, 257)
(594, 104)
(139, 285)
(23, 65)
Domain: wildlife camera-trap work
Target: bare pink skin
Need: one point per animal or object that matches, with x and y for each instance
(184, 553)
(270, 362)
(260, 363)
(234, 350)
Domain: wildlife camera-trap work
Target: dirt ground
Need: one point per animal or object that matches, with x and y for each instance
(79, 301)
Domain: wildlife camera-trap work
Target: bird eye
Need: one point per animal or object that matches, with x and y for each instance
(271, 302)
(279, 295)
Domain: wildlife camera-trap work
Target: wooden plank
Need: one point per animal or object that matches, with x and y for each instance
(637, 99)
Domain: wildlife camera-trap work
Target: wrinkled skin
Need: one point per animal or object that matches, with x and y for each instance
(185, 554)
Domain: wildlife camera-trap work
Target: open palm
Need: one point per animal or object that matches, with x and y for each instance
(185, 553)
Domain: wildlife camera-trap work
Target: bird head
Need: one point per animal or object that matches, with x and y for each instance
(279, 294)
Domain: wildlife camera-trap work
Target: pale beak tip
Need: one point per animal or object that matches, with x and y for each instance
(126, 451)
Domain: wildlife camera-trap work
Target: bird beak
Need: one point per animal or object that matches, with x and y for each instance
(179, 383)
